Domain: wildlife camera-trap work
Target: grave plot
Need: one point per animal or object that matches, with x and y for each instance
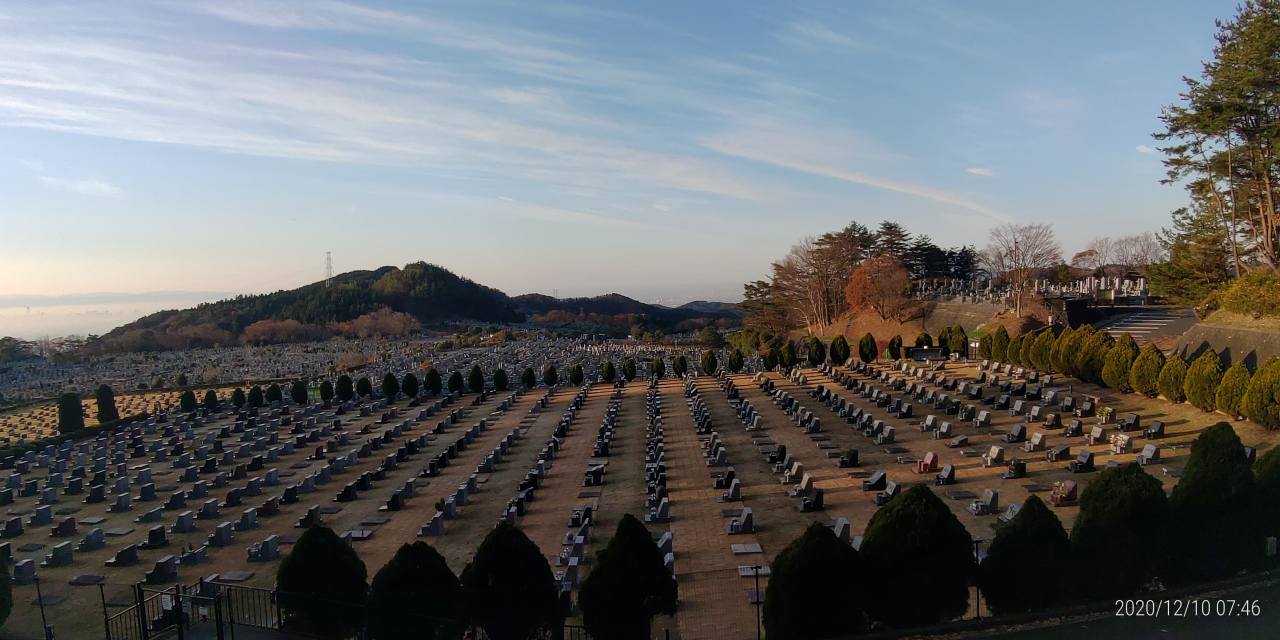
(234, 519)
(714, 599)
(458, 505)
(563, 521)
(800, 455)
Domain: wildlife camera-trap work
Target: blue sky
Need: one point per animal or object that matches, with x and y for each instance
(664, 150)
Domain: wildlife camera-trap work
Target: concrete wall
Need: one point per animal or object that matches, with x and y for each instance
(968, 315)
(1253, 346)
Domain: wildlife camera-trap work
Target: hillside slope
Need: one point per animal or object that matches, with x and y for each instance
(616, 304)
(424, 291)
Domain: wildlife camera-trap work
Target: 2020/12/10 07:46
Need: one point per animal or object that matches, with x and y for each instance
(1194, 607)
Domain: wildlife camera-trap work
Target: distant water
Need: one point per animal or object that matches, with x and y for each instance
(54, 318)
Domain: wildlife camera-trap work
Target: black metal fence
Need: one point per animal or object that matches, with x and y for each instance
(163, 613)
(216, 609)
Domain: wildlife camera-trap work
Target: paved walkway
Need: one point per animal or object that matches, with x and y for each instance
(714, 598)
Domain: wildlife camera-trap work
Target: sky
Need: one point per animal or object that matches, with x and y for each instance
(668, 151)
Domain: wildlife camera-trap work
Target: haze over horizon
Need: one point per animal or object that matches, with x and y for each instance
(563, 148)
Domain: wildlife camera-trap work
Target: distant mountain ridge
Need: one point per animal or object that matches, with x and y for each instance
(425, 292)
(613, 304)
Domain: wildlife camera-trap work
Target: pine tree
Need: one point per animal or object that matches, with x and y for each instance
(409, 385)
(736, 360)
(894, 348)
(629, 369)
(1026, 561)
(70, 413)
(326, 391)
(772, 358)
(924, 340)
(1013, 352)
(1059, 356)
(917, 535)
(298, 392)
(415, 595)
(1234, 384)
(255, 397)
(1261, 401)
(658, 367)
(958, 341)
(1144, 377)
(475, 379)
(1171, 378)
(1201, 384)
(1122, 525)
(238, 399)
(892, 240)
(1119, 361)
(508, 588)
(815, 351)
(999, 344)
(1213, 509)
(679, 365)
(608, 372)
(6, 594)
(549, 376)
(1093, 356)
(628, 585)
(346, 389)
(984, 347)
(709, 362)
(500, 381)
(1266, 473)
(432, 382)
(1028, 349)
(924, 259)
(106, 401)
(211, 400)
(321, 586)
(839, 351)
(390, 386)
(187, 401)
(1042, 351)
(789, 357)
(275, 393)
(455, 382)
(868, 350)
(364, 388)
(528, 378)
(1197, 257)
(815, 587)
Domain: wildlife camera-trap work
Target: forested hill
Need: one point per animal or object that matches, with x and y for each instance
(616, 304)
(381, 301)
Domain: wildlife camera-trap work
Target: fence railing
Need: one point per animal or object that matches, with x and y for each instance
(172, 612)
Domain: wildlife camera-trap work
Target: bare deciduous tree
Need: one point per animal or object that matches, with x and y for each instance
(1015, 254)
(803, 280)
(1138, 251)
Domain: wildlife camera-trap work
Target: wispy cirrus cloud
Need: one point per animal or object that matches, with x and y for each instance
(513, 110)
(980, 171)
(833, 154)
(88, 187)
(1142, 148)
(812, 32)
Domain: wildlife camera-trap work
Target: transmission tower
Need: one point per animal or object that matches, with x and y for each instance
(328, 268)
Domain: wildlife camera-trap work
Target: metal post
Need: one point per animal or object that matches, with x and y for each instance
(44, 622)
(106, 619)
(977, 592)
(756, 571)
(217, 615)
